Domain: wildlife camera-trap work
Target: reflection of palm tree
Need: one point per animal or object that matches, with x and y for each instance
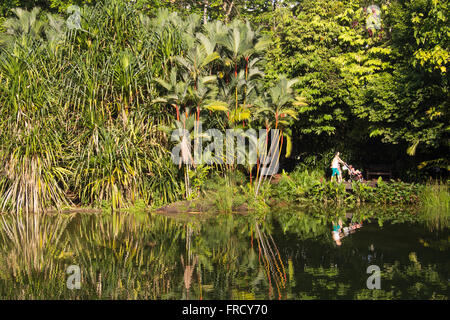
(125, 256)
(273, 265)
(190, 263)
(188, 271)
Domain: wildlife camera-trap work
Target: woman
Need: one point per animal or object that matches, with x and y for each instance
(336, 170)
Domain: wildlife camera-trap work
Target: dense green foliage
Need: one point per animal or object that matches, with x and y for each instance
(88, 106)
(91, 91)
(390, 87)
(90, 94)
(302, 186)
(71, 120)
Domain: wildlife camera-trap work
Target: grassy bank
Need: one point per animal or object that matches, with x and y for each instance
(435, 205)
(310, 189)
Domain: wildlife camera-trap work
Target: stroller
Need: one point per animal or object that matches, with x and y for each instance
(355, 175)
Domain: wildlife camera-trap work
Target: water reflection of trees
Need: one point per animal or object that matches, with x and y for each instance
(271, 259)
(228, 262)
(286, 255)
(30, 248)
(122, 257)
(328, 272)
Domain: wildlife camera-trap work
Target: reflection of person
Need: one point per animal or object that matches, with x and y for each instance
(353, 226)
(340, 232)
(336, 232)
(371, 254)
(336, 170)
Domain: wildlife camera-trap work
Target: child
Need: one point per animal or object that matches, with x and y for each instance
(355, 172)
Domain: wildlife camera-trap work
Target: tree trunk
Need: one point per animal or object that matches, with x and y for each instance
(228, 12)
(205, 10)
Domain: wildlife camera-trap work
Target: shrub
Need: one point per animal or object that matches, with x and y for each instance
(295, 186)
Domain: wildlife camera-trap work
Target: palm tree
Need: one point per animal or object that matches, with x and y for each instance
(277, 103)
(238, 45)
(276, 111)
(177, 91)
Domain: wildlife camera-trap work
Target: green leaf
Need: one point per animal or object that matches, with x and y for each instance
(217, 106)
(288, 145)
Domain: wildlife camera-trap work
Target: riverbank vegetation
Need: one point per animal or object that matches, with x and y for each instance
(92, 91)
(91, 94)
(435, 205)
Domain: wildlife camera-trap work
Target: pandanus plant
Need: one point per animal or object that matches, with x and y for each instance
(33, 176)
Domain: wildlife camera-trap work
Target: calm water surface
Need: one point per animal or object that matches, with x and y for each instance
(288, 255)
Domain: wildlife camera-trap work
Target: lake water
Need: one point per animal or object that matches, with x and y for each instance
(289, 254)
